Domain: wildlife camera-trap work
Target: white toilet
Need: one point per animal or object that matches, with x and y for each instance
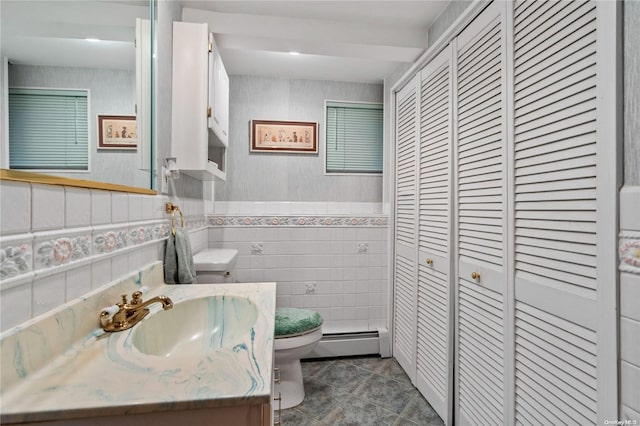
(215, 266)
(297, 332)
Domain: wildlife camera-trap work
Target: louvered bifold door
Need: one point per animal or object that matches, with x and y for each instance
(434, 369)
(558, 303)
(404, 324)
(480, 151)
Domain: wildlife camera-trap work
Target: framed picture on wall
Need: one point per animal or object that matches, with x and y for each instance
(298, 137)
(117, 132)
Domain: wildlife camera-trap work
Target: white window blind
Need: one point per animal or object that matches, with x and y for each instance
(48, 129)
(353, 138)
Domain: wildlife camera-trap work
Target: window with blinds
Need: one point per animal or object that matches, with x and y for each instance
(48, 129)
(353, 138)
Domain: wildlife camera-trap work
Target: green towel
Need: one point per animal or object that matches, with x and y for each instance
(178, 260)
(291, 321)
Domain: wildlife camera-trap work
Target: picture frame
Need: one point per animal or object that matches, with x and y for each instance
(111, 129)
(278, 136)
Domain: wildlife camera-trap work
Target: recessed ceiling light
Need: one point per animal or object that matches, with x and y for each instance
(93, 40)
(294, 53)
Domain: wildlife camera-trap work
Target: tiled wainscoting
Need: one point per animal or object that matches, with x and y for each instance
(629, 298)
(57, 243)
(331, 257)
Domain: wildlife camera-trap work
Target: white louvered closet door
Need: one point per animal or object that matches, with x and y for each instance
(434, 370)
(481, 233)
(404, 328)
(562, 374)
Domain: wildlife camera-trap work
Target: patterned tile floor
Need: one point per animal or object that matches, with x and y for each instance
(359, 391)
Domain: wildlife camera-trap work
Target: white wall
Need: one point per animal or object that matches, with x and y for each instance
(289, 177)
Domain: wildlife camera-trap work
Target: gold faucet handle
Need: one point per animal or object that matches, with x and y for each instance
(136, 297)
(106, 316)
(124, 299)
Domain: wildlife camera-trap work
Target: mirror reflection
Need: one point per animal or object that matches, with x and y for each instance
(79, 89)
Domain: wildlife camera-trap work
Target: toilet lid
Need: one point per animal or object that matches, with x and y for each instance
(295, 321)
(214, 260)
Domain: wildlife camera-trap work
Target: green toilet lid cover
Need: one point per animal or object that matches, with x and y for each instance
(296, 321)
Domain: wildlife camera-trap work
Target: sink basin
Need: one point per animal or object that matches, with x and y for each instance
(201, 325)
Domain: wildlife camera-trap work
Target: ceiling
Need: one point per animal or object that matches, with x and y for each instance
(50, 32)
(362, 41)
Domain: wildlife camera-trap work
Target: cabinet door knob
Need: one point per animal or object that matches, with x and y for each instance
(475, 276)
(430, 262)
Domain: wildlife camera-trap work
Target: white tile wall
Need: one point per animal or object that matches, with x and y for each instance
(15, 201)
(48, 293)
(629, 312)
(119, 207)
(47, 207)
(135, 207)
(350, 284)
(100, 273)
(77, 207)
(33, 213)
(78, 282)
(16, 305)
(100, 207)
(350, 287)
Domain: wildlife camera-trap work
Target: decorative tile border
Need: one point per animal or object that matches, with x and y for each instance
(16, 258)
(46, 252)
(629, 250)
(60, 250)
(283, 220)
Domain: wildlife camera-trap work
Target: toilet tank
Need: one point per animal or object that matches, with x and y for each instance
(215, 266)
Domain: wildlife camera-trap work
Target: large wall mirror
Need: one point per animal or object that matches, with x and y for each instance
(79, 79)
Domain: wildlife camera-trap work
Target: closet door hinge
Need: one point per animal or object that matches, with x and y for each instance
(208, 111)
(210, 47)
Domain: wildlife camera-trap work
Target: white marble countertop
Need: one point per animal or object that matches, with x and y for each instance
(103, 374)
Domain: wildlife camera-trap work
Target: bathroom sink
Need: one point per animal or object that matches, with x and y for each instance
(201, 325)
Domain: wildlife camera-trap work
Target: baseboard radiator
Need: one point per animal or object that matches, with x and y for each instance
(349, 344)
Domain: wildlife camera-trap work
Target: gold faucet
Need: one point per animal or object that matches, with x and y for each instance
(129, 314)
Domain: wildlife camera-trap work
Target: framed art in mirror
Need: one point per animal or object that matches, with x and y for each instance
(117, 132)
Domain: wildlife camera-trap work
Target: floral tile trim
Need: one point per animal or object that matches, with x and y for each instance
(143, 234)
(19, 256)
(59, 251)
(111, 240)
(630, 252)
(15, 260)
(298, 221)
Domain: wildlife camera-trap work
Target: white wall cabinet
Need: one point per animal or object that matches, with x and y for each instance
(505, 292)
(200, 103)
